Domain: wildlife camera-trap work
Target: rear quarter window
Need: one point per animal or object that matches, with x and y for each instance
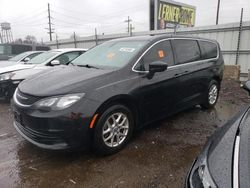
(186, 51)
(208, 49)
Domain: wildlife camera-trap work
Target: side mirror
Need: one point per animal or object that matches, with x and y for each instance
(246, 86)
(157, 66)
(55, 62)
(26, 59)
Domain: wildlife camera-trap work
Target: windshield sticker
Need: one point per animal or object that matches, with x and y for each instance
(161, 54)
(110, 55)
(127, 50)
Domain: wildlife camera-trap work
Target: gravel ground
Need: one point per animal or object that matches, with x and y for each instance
(158, 156)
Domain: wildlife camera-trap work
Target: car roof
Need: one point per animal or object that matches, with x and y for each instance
(33, 52)
(158, 37)
(69, 49)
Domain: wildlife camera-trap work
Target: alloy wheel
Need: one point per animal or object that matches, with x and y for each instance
(115, 129)
(213, 94)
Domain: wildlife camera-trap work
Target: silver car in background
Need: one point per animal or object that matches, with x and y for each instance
(11, 76)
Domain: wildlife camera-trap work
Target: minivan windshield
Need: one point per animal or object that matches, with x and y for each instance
(43, 57)
(113, 54)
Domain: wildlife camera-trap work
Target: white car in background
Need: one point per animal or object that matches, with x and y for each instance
(20, 58)
(11, 76)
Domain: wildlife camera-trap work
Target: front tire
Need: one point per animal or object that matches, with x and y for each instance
(113, 130)
(211, 95)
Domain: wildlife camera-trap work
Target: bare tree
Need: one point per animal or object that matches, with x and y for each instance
(30, 39)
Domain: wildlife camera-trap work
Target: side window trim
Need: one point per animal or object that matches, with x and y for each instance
(176, 65)
(142, 55)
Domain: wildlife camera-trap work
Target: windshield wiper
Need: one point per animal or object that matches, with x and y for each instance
(88, 66)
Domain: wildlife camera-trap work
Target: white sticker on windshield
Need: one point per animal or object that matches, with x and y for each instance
(127, 50)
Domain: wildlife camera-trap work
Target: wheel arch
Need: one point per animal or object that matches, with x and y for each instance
(125, 100)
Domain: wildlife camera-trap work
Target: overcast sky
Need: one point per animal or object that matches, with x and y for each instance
(82, 16)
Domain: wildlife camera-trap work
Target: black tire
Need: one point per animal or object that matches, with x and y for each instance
(207, 103)
(99, 145)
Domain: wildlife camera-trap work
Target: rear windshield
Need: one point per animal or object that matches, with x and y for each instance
(114, 54)
(43, 57)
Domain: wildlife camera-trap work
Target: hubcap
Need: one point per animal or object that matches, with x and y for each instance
(213, 94)
(115, 129)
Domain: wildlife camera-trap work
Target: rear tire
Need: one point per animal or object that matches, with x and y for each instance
(113, 130)
(211, 96)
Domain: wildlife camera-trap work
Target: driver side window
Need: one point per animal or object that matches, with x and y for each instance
(64, 59)
(159, 52)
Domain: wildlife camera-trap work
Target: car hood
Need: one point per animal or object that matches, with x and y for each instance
(7, 63)
(62, 80)
(26, 73)
(15, 68)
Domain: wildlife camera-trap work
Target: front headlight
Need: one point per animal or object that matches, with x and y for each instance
(6, 76)
(58, 103)
(201, 176)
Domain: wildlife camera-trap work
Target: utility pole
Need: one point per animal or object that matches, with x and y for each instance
(131, 28)
(128, 20)
(218, 13)
(57, 44)
(96, 39)
(75, 40)
(50, 29)
(239, 38)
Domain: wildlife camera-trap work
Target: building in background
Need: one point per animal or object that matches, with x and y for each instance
(170, 14)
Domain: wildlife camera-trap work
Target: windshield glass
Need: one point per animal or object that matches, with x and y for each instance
(19, 57)
(43, 57)
(114, 54)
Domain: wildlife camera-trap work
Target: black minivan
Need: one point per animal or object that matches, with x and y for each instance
(115, 88)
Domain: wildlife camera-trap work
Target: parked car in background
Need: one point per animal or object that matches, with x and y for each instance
(115, 88)
(224, 160)
(20, 58)
(9, 80)
(10, 50)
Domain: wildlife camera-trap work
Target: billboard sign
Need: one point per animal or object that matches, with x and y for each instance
(168, 14)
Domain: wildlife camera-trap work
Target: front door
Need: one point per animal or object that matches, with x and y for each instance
(158, 94)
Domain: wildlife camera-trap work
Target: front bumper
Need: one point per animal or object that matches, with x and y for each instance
(70, 131)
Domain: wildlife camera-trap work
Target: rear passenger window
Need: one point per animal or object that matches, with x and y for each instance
(159, 52)
(208, 50)
(186, 51)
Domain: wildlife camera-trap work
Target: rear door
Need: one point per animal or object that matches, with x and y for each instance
(158, 94)
(196, 71)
